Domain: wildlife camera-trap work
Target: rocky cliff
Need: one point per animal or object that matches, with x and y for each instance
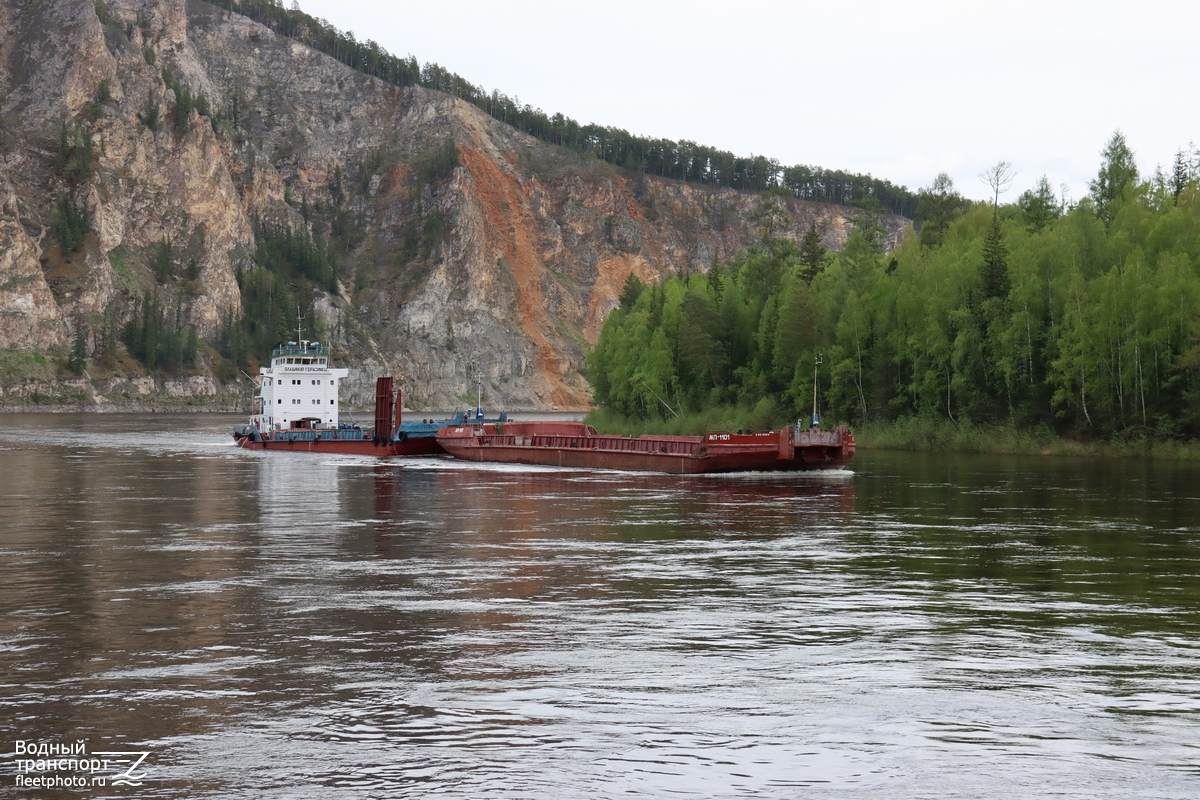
(500, 267)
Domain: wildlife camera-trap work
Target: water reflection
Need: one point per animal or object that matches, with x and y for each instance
(299, 509)
(299, 624)
(117, 563)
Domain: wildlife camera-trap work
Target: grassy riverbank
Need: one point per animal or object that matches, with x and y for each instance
(1007, 438)
(913, 434)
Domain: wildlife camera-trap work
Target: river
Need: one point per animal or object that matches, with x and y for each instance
(267, 625)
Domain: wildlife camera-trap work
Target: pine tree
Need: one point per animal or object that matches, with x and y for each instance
(812, 254)
(163, 261)
(1040, 205)
(869, 225)
(64, 148)
(78, 360)
(993, 277)
(1118, 174)
(106, 343)
(631, 291)
(149, 113)
(71, 220)
(1179, 176)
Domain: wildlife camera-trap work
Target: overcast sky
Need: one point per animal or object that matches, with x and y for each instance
(902, 90)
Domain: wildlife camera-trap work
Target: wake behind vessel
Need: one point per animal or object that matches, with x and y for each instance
(296, 408)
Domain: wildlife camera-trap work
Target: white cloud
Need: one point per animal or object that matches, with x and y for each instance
(900, 90)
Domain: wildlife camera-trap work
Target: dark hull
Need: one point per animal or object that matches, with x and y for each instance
(415, 446)
(561, 446)
(645, 462)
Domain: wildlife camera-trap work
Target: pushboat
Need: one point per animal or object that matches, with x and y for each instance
(296, 409)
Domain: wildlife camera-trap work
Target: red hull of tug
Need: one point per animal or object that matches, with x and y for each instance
(391, 436)
(571, 444)
(418, 446)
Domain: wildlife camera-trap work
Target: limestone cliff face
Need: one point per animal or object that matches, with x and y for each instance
(145, 186)
(500, 269)
(29, 317)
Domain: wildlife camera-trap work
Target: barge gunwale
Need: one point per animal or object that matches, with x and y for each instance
(574, 445)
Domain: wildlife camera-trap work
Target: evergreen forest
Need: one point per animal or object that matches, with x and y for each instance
(680, 160)
(1083, 318)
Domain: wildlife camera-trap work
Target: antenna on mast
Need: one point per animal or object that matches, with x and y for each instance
(815, 422)
(478, 393)
(299, 328)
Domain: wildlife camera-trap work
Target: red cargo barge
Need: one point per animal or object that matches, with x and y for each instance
(574, 444)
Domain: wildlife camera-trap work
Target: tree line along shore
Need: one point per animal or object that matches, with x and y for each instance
(1038, 325)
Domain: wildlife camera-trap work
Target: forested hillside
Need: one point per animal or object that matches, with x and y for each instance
(665, 158)
(179, 182)
(1084, 318)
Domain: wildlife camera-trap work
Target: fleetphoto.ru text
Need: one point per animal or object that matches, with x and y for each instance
(71, 765)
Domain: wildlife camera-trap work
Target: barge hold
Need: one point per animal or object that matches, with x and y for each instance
(575, 444)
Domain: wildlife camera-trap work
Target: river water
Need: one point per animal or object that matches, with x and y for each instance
(295, 625)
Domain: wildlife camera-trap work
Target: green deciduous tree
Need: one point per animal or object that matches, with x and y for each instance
(937, 207)
(1032, 312)
(1040, 204)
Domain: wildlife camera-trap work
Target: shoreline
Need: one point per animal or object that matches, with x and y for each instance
(923, 435)
(106, 408)
(913, 435)
(217, 408)
(1008, 439)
